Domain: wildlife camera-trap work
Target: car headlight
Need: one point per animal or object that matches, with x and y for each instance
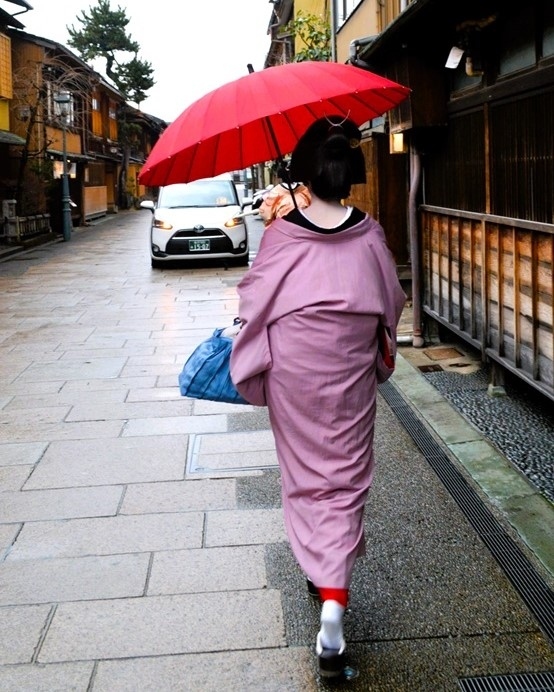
(234, 222)
(164, 225)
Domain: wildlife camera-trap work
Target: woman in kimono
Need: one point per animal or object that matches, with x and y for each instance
(310, 306)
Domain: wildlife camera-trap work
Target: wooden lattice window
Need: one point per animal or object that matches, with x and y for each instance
(5, 67)
(455, 165)
(522, 159)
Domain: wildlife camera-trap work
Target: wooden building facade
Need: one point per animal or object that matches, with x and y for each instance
(479, 172)
(102, 163)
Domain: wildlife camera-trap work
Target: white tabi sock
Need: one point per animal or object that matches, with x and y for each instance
(330, 635)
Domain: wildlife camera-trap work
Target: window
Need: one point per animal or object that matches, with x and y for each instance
(344, 9)
(455, 171)
(518, 41)
(522, 158)
(548, 35)
(5, 67)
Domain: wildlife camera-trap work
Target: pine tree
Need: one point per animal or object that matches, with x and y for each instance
(104, 35)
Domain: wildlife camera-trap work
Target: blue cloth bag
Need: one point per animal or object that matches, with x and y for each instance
(206, 374)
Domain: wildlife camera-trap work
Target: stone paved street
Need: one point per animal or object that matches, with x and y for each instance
(142, 545)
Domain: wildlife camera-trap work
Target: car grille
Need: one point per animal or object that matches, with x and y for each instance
(204, 233)
(219, 244)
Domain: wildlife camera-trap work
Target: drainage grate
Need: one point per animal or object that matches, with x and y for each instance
(434, 367)
(532, 588)
(522, 682)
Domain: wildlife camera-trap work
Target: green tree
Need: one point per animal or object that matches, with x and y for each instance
(314, 33)
(104, 35)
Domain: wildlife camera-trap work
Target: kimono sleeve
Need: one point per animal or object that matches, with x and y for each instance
(251, 354)
(250, 359)
(393, 295)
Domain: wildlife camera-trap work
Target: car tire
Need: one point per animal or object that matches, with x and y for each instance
(243, 261)
(156, 264)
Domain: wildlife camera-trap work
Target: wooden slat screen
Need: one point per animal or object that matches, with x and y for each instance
(490, 279)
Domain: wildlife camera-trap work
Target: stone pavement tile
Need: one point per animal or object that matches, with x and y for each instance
(33, 401)
(21, 453)
(94, 385)
(58, 334)
(63, 318)
(73, 579)
(80, 351)
(213, 321)
(8, 533)
(202, 407)
(103, 368)
(152, 359)
(421, 391)
(180, 496)
(534, 520)
(149, 370)
(208, 569)
(244, 527)
(139, 324)
(41, 416)
(288, 669)
(108, 536)
(102, 340)
(47, 352)
(97, 315)
(493, 472)
(156, 394)
(20, 630)
(176, 425)
(230, 462)
(53, 677)
(443, 418)
(171, 379)
(23, 431)
(180, 342)
(43, 505)
(13, 368)
(15, 388)
(4, 401)
(6, 318)
(110, 462)
(83, 411)
(12, 479)
(148, 342)
(256, 441)
(158, 625)
(215, 453)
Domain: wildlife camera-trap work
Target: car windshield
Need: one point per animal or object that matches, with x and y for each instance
(200, 193)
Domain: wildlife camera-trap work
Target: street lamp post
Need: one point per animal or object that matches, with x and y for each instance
(63, 99)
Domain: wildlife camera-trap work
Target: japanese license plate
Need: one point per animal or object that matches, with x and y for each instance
(199, 245)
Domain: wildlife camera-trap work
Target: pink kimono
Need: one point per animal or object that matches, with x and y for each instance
(310, 305)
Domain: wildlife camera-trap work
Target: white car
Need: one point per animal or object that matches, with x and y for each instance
(196, 221)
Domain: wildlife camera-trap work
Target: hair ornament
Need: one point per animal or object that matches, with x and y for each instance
(340, 124)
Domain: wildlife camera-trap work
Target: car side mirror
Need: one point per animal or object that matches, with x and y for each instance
(246, 202)
(147, 204)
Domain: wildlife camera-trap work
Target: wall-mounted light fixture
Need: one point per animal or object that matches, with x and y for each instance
(397, 143)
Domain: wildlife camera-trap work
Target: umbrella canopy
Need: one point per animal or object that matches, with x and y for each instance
(261, 116)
